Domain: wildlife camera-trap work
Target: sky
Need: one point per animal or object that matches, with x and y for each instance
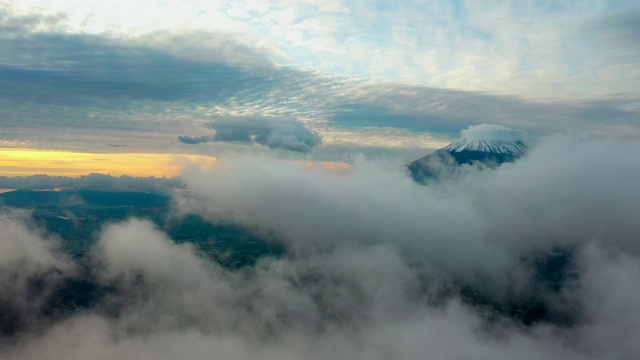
(172, 81)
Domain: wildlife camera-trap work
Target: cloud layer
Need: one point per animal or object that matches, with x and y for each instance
(377, 266)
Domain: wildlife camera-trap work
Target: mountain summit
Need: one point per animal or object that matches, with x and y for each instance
(484, 145)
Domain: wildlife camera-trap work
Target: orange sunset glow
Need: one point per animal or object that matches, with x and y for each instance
(25, 162)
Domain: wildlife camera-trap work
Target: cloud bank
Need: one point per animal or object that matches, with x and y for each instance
(377, 266)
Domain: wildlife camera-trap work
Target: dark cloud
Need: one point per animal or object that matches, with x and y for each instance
(276, 133)
(232, 134)
(446, 111)
(618, 28)
(191, 140)
(89, 70)
(61, 80)
(616, 36)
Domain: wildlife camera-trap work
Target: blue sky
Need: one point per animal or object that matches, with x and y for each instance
(87, 75)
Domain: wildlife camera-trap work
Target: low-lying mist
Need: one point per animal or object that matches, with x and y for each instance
(539, 259)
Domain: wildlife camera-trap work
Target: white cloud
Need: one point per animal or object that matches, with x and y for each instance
(31, 268)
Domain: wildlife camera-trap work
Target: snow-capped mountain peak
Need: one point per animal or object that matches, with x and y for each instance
(493, 139)
(488, 145)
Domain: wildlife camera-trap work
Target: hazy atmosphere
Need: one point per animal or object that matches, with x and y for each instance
(311, 179)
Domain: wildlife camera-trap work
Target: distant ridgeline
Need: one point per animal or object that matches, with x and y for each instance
(484, 145)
